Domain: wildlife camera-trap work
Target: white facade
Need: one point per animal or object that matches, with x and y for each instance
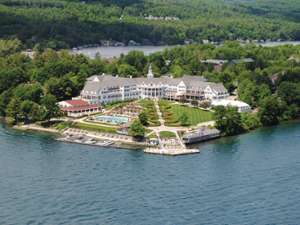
(78, 108)
(106, 88)
(211, 93)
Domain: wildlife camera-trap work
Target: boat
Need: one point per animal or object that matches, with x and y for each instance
(201, 134)
(84, 140)
(104, 143)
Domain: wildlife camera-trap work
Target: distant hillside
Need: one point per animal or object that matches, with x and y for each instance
(67, 23)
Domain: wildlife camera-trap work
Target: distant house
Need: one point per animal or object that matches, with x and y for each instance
(241, 106)
(218, 63)
(295, 59)
(215, 91)
(78, 108)
(29, 52)
(275, 77)
(172, 18)
(240, 61)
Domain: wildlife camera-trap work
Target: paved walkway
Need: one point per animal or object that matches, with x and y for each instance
(162, 127)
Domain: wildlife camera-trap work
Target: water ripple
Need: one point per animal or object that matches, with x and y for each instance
(250, 179)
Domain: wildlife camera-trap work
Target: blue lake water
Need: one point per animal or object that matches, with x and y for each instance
(110, 52)
(248, 179)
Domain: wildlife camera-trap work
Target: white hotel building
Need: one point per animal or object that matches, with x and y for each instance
(107, 88)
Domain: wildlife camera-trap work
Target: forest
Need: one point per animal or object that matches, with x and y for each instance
(31, 87)
(59, 24)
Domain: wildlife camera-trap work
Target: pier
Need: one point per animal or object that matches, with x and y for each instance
(171, 151)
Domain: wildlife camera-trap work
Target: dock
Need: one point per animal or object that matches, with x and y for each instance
(171, 151)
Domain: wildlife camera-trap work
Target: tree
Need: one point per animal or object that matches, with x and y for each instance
(228, 120)
(184, 120)
(194, 102)
(246, 91)
(30, 111)
(9, 46)
(137, 130)
(31, 92)
(51, 108)
(289, 92)
(250, 121)
(177, 70)
(4, 100)
(62, 88)
(13, 109)
(270, 111)
(136, 59)
(127, 70)
(205, 104)
(143, 118)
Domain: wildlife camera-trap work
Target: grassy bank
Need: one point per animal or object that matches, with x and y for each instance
(167, 134)
(96, 128)
(172, 113)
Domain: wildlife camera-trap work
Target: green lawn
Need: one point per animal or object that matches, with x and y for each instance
(96, 128)
(150, 110)
(172, 112)
(167, 134)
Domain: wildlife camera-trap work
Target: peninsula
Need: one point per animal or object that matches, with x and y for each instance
(162, 102)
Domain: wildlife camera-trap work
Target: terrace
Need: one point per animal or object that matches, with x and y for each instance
(150, 110)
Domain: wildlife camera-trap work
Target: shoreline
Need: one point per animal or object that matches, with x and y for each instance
(116, 144)
(126, 145)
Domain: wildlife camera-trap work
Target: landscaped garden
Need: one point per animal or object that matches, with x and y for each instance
(176, 114)
(150, 110)
(116, 104)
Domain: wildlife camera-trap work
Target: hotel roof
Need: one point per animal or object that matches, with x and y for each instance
(97, 82)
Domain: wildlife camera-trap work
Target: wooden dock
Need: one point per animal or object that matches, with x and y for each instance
(171, 151)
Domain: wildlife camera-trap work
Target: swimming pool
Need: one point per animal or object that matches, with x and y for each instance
(112, 119)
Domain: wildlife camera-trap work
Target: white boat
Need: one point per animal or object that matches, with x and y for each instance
(104, 143)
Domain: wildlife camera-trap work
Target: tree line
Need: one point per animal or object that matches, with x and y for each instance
(67, 23)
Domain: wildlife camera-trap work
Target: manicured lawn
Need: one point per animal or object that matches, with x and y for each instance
(195, 115)
(172, 113)
(167, 134)
(150, 110)
(96, 128)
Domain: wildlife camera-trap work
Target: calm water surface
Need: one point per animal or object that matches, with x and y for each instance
(249, 179)
(110, 52)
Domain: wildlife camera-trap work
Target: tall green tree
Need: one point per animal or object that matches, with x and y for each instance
(184, 120)
(137, 130)
(143, 118)
(270, 111)
(13, 110)
(50, 106)
(228, 120)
